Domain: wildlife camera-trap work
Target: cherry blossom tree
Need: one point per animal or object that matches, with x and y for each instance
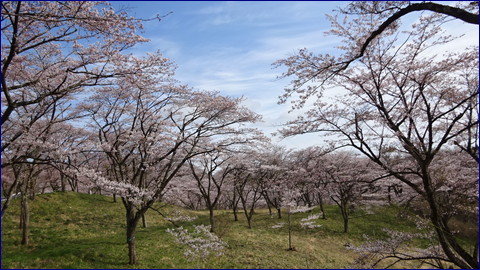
(347, 178)
(46, 148)
(307, 170)
(273, 175)
(403, 96)
(200, 243)
(51, 52)
(289, 201)
(210, 171)
(457, 188)
(184, 192)
(391, 13)
(53, 49)
(247, 185)
(148, 128)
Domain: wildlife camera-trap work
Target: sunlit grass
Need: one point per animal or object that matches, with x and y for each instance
(71, 230)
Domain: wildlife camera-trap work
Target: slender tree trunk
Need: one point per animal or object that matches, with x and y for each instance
(279, 212)
(235, 215)
(269, 205)
(7, 198)
(25, 218)
(320, 202)
(114, 197)
(249, 220)
(248, 215)
(289, 232)
(235, 205)
(344, 210)
(235, 212)
(74, 185)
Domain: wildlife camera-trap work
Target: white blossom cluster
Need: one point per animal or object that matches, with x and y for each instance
(130, 192)
(278, 225)
(178, 216)
(374, 251)
(390, 245)
(309, 222)
(200, 243)
(300, 209)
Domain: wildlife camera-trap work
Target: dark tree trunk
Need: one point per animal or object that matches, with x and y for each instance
(344, 210)
(132, 254)
(249, 220)
(320, 202)
(31, 188)
(449, 244)
(62, 182)
(132, 221)
(289, 232)
(235, 215)
(144, 221)
(24, 218)
(212, 220)
(269, 204)
(235, 205)
(279, 212)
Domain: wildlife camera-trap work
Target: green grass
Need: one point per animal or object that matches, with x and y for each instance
(72, 230)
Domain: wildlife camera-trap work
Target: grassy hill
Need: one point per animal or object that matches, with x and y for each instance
(72, 230)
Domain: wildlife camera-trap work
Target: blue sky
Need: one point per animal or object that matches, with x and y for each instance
(230, 46)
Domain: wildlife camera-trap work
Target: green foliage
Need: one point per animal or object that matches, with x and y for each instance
(72, 230)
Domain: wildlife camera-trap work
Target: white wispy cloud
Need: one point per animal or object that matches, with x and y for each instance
(230, 46)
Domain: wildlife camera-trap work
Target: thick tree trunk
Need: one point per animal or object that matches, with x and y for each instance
(144, 221)
(31, 188)
(132, 254)
(212, 220)
(449, 244)
(62, 182)
(132, 222)
(279, 213)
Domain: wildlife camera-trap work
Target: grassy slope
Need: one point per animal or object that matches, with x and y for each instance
(71, 230)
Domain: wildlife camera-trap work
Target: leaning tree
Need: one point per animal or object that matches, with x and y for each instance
(409, 93)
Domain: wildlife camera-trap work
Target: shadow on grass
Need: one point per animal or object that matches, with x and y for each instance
(95, 252)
